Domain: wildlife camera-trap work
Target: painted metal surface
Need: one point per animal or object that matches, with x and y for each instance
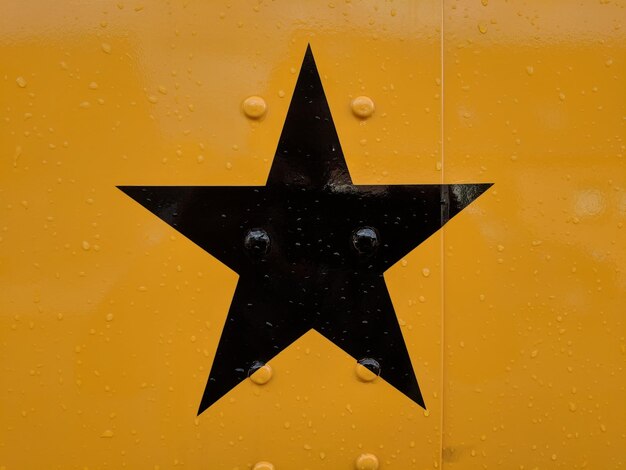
(512, 314)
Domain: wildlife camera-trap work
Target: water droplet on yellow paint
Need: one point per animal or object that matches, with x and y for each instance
(609, 62)
(281, 93)
(85, 105)
(107, 433)
(109, 317)
(530, 69)
(106, 47)
(261, 375)
(200, 158)
(425, 272)
(572, 406)
(362, 106)
(152, 99)
(562, 96)
(21, 82)
(162, 90)
(366, 462)
(254, 107)
(93, 86)
(482, 27)
(86, 246)
(484, 2)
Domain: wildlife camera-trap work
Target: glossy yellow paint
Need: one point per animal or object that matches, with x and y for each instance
(513, 314)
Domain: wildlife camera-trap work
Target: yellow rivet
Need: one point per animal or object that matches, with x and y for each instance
(263, 466)
(366, 462)
(364, 374)
(262, 375)
(254, 107)
(362, 106)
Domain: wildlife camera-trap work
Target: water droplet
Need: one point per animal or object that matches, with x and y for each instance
(21, 82)
(86, 246)
(106, 47)
(482, 27)
(260, 373)
(367, 369)
(257, 242)
(93, 86)
(426, 272)
(366, 462)
(107, 433)
(254, 107)
(362, 106)
(530, 69)
(365, 240)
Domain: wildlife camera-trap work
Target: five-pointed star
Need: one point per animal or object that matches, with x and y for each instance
(310, 247)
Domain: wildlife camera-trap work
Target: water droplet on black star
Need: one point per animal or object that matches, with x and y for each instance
(365, 240)
(257, 242)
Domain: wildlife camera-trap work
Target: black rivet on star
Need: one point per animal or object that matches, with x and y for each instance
(365, 240)
(371, 364)
(323, 247)
(256, 365)
(257, 242)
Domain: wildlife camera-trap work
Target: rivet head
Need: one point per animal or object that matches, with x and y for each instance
(366, 462)
(367, 369)
(263, 466)
(254, 107)
(363, 106)
(260, 373)
(365, 240)
(257, 242)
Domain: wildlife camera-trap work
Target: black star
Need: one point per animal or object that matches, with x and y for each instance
(310, 247)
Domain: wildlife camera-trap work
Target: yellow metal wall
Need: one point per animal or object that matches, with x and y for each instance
(513, 314)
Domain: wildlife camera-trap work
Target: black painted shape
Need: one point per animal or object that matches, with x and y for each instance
(312, 275)
(309, 154)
